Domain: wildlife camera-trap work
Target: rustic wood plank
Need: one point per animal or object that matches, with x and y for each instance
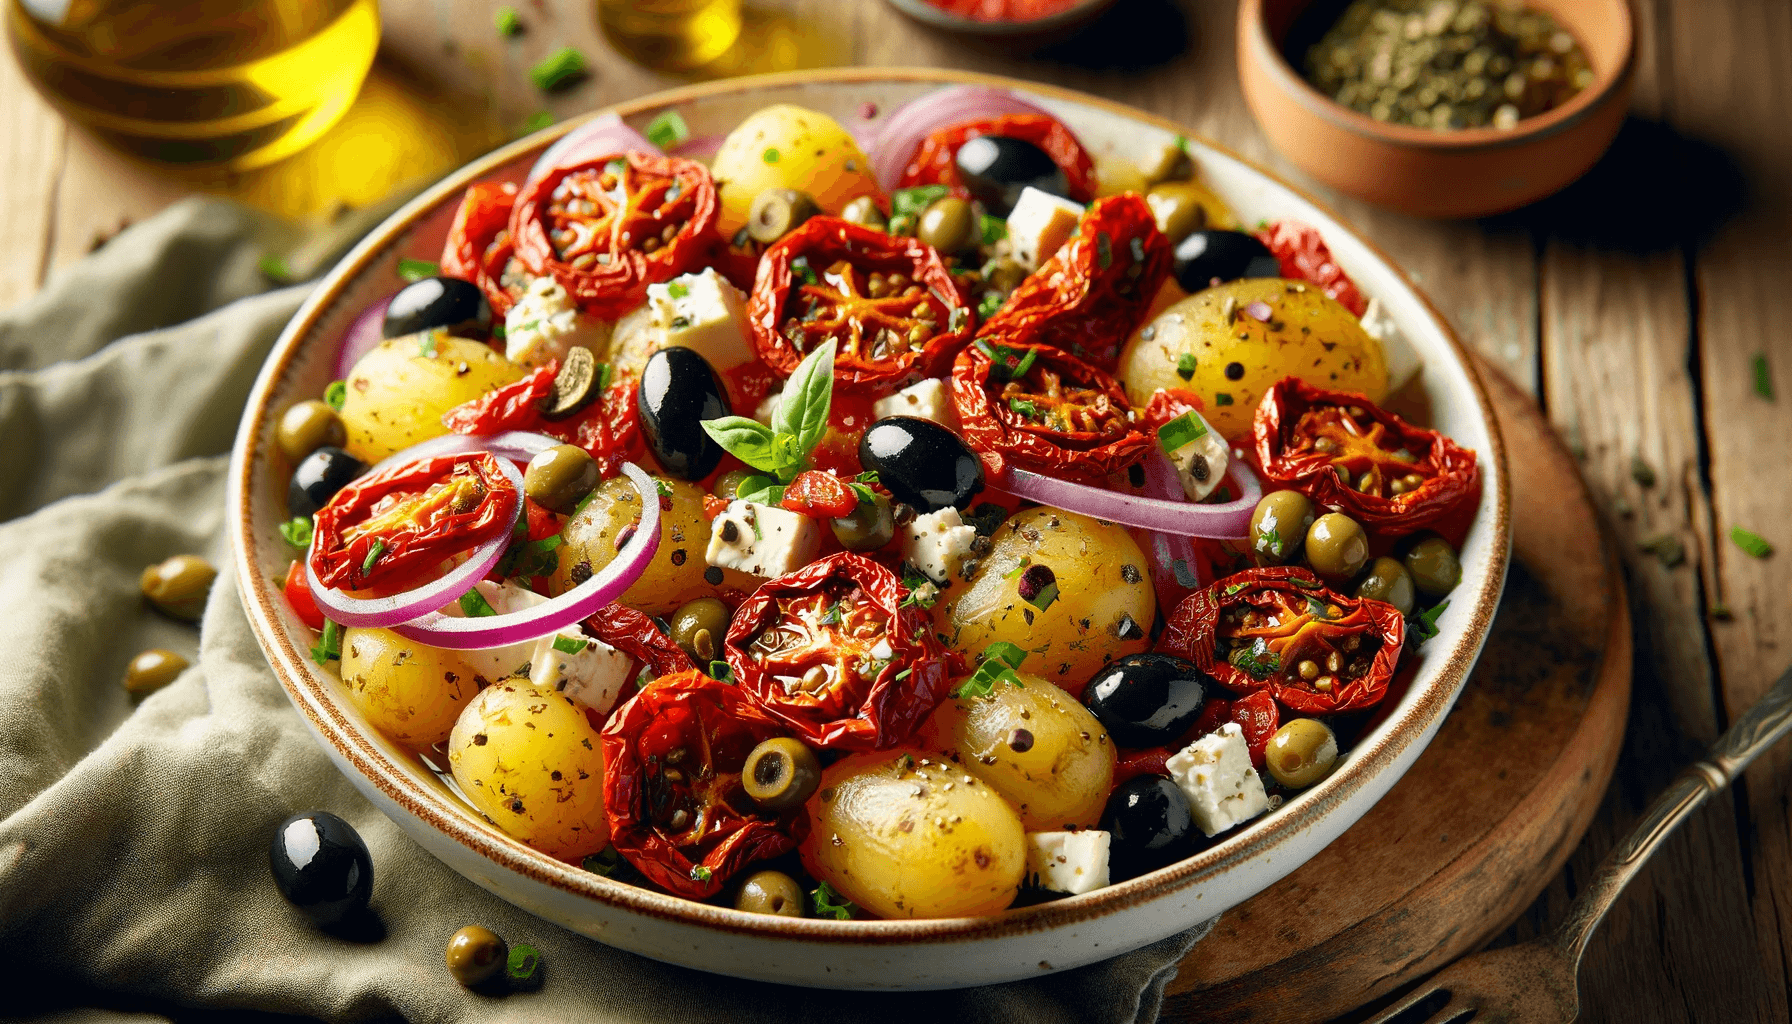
(31, 158)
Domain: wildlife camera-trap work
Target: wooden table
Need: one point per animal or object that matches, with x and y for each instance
(1633, 308)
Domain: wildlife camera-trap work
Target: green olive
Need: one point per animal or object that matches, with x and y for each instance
(179, 586)
(559, 478)
(699, 627)
(308, 426)
(780, 774)
(770, 892)
(1388, 581)
(777, 212)
(949, 225)
(863, 210)
(869, 527)
(1279, 527)
(152, 670)
(1301, 753)
(1006, 276)
(1178, 208)
(475, 954)
(1337, 545)
(728, 484)
(1434, 567)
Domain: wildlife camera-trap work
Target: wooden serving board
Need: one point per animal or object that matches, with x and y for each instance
(1486, 818)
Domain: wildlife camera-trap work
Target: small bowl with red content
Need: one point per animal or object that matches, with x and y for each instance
(1014, 20)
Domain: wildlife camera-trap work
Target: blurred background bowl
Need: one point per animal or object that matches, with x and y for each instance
(1035, 31)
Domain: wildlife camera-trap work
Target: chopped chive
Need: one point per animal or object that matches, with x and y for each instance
(1025, 364)
(771, 155)
(506, 21)
(1221, 398)
(1104, 250)
(558, 70)
(427, 348)
(329, 644)
(1185, 366)
(990, 302)
(275, 269)
(1022, 407)
(994, 229)
(537, 121)
(699, 873)
(373, 555)
(297, 531)
(571, 644)
(1751, 542)
(413, 271)
(474, 605)
(1763, 377)
(1183, 430)
(335, 393)
(668, 130)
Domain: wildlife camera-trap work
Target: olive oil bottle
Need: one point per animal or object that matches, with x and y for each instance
(671, 34)
(231, 84)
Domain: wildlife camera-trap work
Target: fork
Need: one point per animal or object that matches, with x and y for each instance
(1536, 982)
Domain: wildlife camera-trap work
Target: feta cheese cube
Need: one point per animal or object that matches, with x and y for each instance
(929, 399)
(938, 543)
(491, 664)
(1039, 224)
(762, 540)
(592, 675)
(1215, 773)
(1072, 862)
(1201, 461)
(545, 324)
(1403, 360)
(704, 312)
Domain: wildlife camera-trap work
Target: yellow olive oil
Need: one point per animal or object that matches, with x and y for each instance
(671, 34)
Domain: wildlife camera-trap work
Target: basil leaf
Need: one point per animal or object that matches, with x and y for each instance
(808, 394)
(748, 440)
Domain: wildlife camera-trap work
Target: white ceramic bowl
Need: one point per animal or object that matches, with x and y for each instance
(861, 954)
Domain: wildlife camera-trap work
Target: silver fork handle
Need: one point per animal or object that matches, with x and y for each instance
(1760, 727)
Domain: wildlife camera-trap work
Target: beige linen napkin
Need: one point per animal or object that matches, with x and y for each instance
(134, 835)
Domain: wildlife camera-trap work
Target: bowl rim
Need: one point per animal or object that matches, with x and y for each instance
(1254, 33)
(450, 818)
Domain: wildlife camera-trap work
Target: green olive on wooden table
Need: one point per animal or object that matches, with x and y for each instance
(1279, 527)
(559, 478)
(863, 210)
(1179, 208)
(474, 954)
(152, 670)
(780, 774)
(777, 212)
(1434, 567)
(870, 526)
(308, 426)
(770, 892)
(179, 585)
(1388, 580)
(1301, 753)
(949, 225)
(1337, 545)
(699, 627)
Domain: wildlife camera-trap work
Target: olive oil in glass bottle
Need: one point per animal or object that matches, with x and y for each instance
(671, 34)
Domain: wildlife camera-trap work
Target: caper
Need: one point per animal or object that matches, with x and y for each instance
(1337, 545)
(474, 954)
(699, 627)
(1388, 581)
(869, 527)
(1434, 567)
(728, 484)
(1279, 527)
(777, 212)
(770, 892)
(179, 586)
(559, 478)
(308, 426)
(1179, 209)
(780, 774)
(863, 210)
(949, 225)
(152, 670)
(1301, 753)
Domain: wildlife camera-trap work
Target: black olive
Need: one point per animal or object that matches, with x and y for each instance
(1207, 258)
(922, 463)
(456, 306)
(321, 866)
(317, 479)
(679, 389)
(1145, 700)
(995, 168)
(1149, 824)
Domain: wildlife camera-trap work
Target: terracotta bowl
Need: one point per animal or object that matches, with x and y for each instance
(859, 954)
(1464, 173)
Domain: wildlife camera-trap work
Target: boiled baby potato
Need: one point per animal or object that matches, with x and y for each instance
(1034, 744)
(786, 146)
(1102, 606)
(410, 692)
(677, 574)
(529, 760)
(396, 395)
(904, 833)
(1236, 356)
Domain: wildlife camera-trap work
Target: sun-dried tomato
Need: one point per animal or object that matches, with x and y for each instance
(672, 785)
(609, 227)
(479, 246)
(298, 595)
(1259, 718)
(820, 496)
(1094, 290)
(830, 651)
(1039, 408)
(1280, 630)
(1303, 256)
(635, 634)
(936, 160)
(609, 428)
(1348, 454)
(888, 302)
(387, 528)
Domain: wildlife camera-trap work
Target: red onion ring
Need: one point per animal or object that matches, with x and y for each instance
(600, 136)
(1228, 521)
(520, 445)
(1168, 551)
(699, 147)
(895, 143)
(364, 334)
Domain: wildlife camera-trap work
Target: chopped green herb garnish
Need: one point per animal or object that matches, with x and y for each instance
(668, 130)
(1236, 587)
(1104, 250)
(699, 873)
(825, 902)
(558, 70)
(1751, 542)
(474, 605)
(771, 155)
(1020, 567)
(720, 670)
(1763, 377)
(1182, 143)
(335, 394)
(677, 290)
(416, 270)
(1221, 398)
(329, 644)
(1183, 430)
(373, 555)
(1257, 659)
(531, 558)
(1044, 596)
(523, 961)
(536, 122)
(911, 202)
(275, 269)
(427, 348)
(297, 531)
(800, 267)
(1185, 366)
(1425, 623)
(571, 644)
(994, 229)
(1006, 653)
(987, 306)
(506, 21)
(606, 862)
(1022, 407)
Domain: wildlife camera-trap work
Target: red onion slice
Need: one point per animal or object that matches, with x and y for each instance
(600, 136)
(520, 445)
(1227, 521)
(574, 606)
(896, 142)
(1175, 571)
(364, 334)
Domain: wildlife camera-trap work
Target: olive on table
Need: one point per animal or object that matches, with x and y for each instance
(1209, 257)
(1144, 700)
(1150, 825)
(699, 627)
(321, 866)
(308, 426)
(922, 463)
(152, 670)
(317, 478)
(178, 586)
(770, 892)
(453, 305)
(1179, 207)
(871, 525)
(728, 484)
(780, 774)
(863, 210)
(1301, 753)
(475, 954)
(559, 478)
(1279, 527)
(1388, 580)
(1434, 566)
(679, 389)
(1337, 545)
(777, 212)
(995, 168)
(949, 225)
